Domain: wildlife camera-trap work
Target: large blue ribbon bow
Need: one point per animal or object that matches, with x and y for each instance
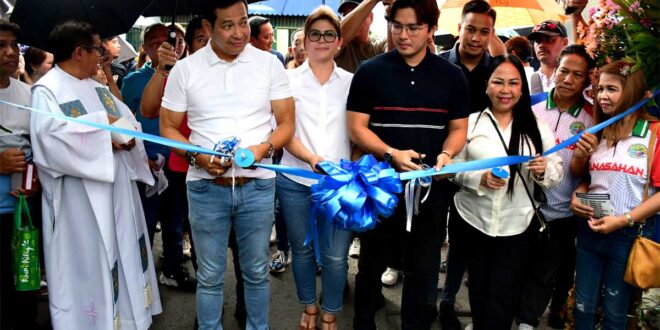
(351, 196)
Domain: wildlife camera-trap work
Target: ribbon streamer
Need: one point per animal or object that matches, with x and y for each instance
(412, 194)
(129, 132)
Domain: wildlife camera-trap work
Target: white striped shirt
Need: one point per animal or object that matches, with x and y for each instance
(564, 125)
(622, 170)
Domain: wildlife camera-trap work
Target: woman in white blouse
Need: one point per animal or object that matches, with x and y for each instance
(320, 90)
(496, 215)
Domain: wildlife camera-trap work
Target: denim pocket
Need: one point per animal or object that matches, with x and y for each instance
(199, 185)
(264, 184)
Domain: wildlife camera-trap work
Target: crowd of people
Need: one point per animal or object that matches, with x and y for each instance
(338, 94)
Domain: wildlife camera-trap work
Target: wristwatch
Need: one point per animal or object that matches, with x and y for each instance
(387, 157)
(629, 219)
(191, 156)
(271, 150)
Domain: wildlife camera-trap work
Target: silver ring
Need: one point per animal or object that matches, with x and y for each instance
(217, 172)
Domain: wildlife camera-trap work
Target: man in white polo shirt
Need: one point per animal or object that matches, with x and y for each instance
(229, 88)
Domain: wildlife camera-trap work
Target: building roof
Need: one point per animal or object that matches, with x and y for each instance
(290, 7)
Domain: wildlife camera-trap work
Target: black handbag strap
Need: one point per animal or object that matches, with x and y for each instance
(529, 194)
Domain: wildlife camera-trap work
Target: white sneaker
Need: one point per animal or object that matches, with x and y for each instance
(390, 276)
(187, 246)
(279, 262)
(525, 326)
(354, 250)
(273, 235)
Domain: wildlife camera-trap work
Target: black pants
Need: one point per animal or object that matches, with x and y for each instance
(18, 310)
(548, 259)
(421, 253)
(496, 267)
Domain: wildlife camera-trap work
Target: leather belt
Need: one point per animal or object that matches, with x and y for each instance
(227, 181)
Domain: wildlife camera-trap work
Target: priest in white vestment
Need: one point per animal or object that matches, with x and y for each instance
(98, 258)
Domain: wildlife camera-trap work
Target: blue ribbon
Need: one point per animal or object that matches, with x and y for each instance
(353, 194)
(599, 127)
(132, 133)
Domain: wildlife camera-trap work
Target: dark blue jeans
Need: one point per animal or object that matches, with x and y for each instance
(600, 265)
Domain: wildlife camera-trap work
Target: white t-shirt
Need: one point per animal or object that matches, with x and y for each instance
(320, 117)
(12, 118)
(548, 82)
(224, 99)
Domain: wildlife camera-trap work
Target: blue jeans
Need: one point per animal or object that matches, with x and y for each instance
(213, 211)
(295, 206)
(600, 263)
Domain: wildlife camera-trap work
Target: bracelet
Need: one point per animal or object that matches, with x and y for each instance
(539, 177)
(446, 153)
(191, 156)
(271, 149)
(629, 219)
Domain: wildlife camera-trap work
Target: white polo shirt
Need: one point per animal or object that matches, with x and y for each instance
(224, 99)
(622, 170)
(320, 116)
(564, 125)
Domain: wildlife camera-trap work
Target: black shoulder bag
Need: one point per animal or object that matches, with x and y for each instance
(537, 209)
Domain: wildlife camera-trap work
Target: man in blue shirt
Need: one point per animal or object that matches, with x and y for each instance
(154, 210)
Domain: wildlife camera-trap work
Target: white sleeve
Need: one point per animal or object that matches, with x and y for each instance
(175, 97)
(279, 87)
(471, 179)
(554, 171)
(67, 148)
(139, 162)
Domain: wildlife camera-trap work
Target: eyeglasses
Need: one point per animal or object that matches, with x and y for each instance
(411, 29)
(99, 49)
(328, 36)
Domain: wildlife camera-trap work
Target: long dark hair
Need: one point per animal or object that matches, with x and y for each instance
(524, 127)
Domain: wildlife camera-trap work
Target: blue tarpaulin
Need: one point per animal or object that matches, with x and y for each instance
(290, 7)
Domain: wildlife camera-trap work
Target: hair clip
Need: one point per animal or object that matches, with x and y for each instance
(625, 70)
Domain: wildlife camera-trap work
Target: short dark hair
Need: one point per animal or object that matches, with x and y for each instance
(8, 26)
(67, 36)
(579, 50)
(479, 7)
(209, 7)
(427, 11)
(520, 47)
(33, 57)
(194, 25)
(293, 35)
(151, 30)
(255, 25)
